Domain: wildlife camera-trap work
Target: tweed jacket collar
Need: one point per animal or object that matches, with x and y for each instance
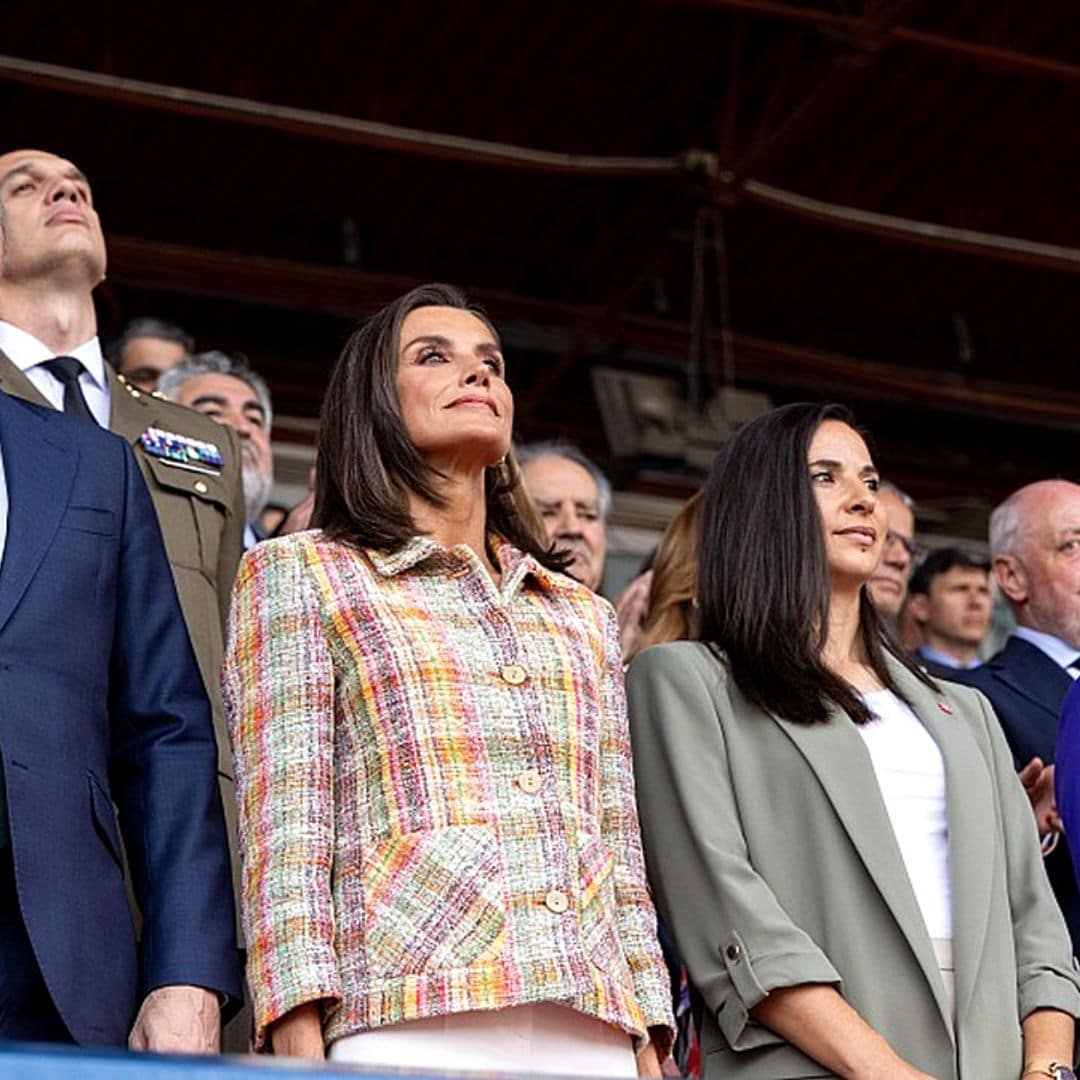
(516, 565)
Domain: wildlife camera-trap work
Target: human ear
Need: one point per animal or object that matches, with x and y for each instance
(1011, 578)
(919, 606)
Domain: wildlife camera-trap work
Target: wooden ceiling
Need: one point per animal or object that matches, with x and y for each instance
(895, 185)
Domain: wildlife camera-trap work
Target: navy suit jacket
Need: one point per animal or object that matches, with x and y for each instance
(102, 703)
(1026, 689)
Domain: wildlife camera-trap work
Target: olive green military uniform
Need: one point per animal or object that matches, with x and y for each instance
(202, 520)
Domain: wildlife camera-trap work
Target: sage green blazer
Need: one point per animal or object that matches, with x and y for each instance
(772, 858)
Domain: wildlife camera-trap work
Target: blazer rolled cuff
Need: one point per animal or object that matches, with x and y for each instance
(751, 980)
(1049, 990)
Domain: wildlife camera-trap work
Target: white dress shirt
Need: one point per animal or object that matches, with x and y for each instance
(28, 354)
(1061, 652)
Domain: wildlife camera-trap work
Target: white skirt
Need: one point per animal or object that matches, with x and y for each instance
(545, 1038)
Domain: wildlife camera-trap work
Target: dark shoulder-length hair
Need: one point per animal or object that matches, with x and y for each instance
(367, 466)
(764, 586)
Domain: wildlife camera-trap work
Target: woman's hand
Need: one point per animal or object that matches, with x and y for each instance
(299, 1033)
(648, 1064)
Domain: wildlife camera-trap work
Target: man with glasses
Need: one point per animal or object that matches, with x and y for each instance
(889, 584)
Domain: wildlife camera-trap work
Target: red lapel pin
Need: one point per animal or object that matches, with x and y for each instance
(945, 707)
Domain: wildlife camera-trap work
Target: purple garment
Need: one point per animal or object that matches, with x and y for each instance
(1067, 769)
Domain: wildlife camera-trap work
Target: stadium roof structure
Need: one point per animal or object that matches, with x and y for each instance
(874, 201)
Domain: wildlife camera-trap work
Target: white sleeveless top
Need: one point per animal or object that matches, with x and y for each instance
(911, 775)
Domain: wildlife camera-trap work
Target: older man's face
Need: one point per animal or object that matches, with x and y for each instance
(230, 401)
(568, 500)
(888, 585)
(1042, 578)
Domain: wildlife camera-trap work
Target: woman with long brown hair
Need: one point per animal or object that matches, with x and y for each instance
(840, 845)
(442, 865)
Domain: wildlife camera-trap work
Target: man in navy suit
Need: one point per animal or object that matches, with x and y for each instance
(1035, 548)
(102, 705)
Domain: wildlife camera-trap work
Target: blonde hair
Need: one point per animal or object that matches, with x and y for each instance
(671, 615)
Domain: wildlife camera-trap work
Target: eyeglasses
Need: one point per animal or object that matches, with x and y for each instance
(914, 549)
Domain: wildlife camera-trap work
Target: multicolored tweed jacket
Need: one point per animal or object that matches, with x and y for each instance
(436, 799)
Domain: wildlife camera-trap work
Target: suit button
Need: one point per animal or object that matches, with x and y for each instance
(201, 487)
(734, 953)
(529, 781)
(514, 674)
(556, 901)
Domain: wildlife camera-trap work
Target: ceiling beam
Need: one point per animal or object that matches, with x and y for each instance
(871, 35)
(350, 292)
(328, 127)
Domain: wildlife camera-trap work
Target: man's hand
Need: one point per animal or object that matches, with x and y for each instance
(178, 1020)
(1038, 781)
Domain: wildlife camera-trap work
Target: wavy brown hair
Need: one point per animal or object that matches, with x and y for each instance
(367, 466)
(672, 612)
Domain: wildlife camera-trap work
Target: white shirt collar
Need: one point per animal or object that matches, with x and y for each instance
(25, 351)
(1059, 651)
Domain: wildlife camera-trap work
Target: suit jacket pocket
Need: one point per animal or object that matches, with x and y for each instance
(433, 901)
(598, 912)
(89, 519)
(104, 816)
(781, 1062)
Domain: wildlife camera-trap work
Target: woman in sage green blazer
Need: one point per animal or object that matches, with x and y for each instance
(779, 848)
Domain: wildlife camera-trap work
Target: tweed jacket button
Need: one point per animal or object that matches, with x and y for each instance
(529, 781)
(557, 901)
(514, 674)
(200, 487)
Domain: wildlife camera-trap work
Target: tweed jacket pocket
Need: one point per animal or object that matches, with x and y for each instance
(433, 901)
(597, 900)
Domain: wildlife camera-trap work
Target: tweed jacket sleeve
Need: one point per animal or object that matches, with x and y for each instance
(279, 692)
(634, 908)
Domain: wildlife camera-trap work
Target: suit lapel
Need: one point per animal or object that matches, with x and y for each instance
(841, 761)
(1028, 671)
(13, 380)
(39, 471)
(972, 851)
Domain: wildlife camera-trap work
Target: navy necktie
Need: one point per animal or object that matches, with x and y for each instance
(66, 369)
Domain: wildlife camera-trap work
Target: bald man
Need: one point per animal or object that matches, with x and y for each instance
(1035, 551)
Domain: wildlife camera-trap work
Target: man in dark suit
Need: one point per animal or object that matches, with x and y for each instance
(52, 256)
(1035, 548)
(103, 705)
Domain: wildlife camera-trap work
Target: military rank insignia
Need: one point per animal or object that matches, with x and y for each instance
(181, 451)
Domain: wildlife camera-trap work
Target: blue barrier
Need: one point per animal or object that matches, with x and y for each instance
(35, 1061)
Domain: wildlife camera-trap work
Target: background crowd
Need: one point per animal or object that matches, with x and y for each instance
(198, 427)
